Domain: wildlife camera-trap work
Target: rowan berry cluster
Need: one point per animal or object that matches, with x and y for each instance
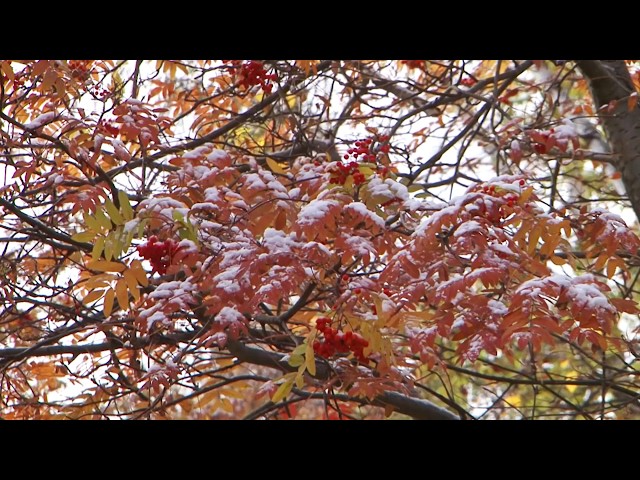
(159, 254)
(79, 69)
(341, 172)
(336, 341)
(253, 73)
(365, 150)
(100, 92)
(498, 212)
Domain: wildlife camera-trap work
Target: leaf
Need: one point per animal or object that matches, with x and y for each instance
(101, 280)
(117, 243)
(141, 275)
(108, 247)
(612, 264)
(102, 219)
(296, 360)
(8, 71)
(625, 305)
(113, 212)
(283, 390)
(98, 247)
(48, 80)
(275, 166)
(132, 283)
(40, 67)
(309, 356)
(105, 266)
(92, 296)
(108, 302)
(122, 293)
(86, 236)
(125, 205)
(91, 222)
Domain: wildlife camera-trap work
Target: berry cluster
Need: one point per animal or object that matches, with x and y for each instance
(100, 92)
(79, 69)
(159, 254)
(413, 63)
(498, 212)
(253, 73)
(364, 150)
(336, 341)
(341, 172)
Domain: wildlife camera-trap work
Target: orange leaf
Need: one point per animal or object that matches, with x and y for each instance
(108, 302)
(123, 294)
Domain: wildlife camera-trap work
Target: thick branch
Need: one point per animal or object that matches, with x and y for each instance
(413, 407)
(611, 86)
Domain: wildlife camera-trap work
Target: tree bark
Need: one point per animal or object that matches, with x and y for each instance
(611, 86)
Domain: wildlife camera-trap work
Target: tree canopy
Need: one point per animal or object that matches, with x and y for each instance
(249, 239)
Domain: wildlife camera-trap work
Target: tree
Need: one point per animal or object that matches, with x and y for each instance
(319, 239)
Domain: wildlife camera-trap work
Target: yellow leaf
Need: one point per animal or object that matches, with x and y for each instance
(83, 236)
(132, 283)
(98, 247)
(296, 360)
(125, 205)
(105, 266)
(309, 356)
(92, 296)
(122, 294)
(102, 219)
(283, 390)
(91, 222)
(108, 302)
(108, 247)
(101, 280)
(275, 166)
(113, 212)
(141, 275)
